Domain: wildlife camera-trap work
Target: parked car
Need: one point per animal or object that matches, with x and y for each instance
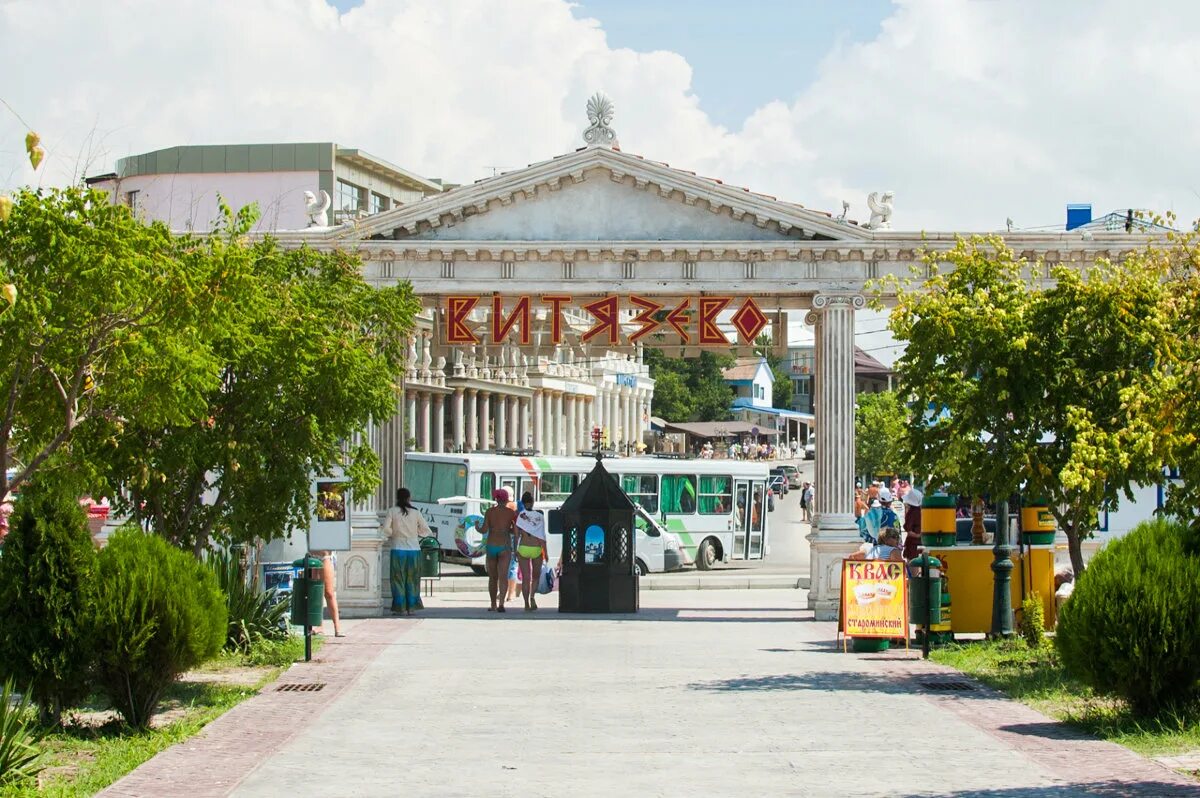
(793, 475)
(810, 450)
(779, 481)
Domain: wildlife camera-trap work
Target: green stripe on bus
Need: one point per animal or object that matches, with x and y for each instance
(543, 465)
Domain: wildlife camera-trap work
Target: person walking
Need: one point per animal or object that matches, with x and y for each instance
(531, 547)
(806, 501)
(404, 526)
(498, 524)
(329, 572)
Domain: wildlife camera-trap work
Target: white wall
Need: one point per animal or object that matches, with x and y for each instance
(188, 202)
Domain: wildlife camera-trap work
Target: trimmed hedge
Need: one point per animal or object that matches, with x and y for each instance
(1129, 628)
(47, 585)
(159, 612)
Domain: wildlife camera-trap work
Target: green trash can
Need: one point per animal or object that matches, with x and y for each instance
(431, 558)
(922, 593)
(308, 591)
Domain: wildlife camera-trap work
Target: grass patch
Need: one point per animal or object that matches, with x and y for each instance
(92, 751)
(1036, 678)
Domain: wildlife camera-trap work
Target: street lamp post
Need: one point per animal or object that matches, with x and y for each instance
(1002, 565)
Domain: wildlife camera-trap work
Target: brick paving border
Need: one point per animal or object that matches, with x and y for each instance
(1077, 758)
(227, 750)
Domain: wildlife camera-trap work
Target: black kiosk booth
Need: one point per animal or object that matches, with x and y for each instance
(598, 573)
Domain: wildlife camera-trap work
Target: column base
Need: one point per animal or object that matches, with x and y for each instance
(361, 570)
(833, 537)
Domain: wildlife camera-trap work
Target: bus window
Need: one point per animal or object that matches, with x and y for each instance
(556, 522)
(487, 484)
(554, 487)
(714, 495)
(418, 478)
(449, 479)
(679, 494)
(642, 489)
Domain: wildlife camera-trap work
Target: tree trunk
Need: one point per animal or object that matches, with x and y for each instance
(1075, 547)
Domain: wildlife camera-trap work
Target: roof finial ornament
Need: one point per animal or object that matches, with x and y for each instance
(600, 114)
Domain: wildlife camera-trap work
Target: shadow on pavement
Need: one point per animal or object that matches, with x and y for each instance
(840, 681)
(1124, 789)
(1050, 731)
(654, 614)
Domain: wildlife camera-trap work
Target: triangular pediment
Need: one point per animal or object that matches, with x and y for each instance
(600, 194)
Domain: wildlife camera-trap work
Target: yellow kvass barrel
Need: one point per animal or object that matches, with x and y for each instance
(937, 521)
(1037, 523)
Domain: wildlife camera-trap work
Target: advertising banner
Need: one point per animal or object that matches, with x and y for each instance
(874, 599)
(329, 527)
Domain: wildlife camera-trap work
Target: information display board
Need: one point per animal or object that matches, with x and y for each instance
(874, 599)
(329, 526)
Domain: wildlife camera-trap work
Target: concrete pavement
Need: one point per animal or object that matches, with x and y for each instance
(702, 693)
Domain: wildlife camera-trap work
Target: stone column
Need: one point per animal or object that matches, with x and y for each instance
(593, 417)
(834, 531)
(571, 436)
(501, 432)
(456, 420)
(539, 421)
(610, 416)
(485, 420)
(472, 418)
(523, 429)
(410, 418)
(439, 422)
(559, 423)
(514, 422)
(423, 423)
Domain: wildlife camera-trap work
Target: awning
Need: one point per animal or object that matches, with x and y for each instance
(718, 429)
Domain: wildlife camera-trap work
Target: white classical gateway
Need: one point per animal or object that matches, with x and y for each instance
(600, 223)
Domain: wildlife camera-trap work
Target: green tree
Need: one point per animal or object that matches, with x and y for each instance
(112, 325)
(47, 590)
(880, 420)
(311, 356)
(1020, 385)
(690, 389)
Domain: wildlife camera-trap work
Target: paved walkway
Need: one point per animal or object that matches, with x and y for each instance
(702, 693)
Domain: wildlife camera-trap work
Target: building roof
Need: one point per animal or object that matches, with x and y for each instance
(745, 369)
(746, 404)
(867, 366)
(373, 163)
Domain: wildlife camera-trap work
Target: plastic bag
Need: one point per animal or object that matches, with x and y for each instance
(547, 581)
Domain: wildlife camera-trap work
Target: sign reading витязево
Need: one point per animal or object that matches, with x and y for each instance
(693, 319)
(874, 599)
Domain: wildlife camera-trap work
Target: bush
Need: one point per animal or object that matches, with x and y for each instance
(47, 589)
(159, 613)
(1129, 626)
(253, 615)
(1033, 620)
(19, 737)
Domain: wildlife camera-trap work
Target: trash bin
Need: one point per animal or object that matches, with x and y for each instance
(1037, 524)
(431, 558)
(924, 594)
(308, 591)
(938, 527)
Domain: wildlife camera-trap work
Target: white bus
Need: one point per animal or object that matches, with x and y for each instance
(717, 508)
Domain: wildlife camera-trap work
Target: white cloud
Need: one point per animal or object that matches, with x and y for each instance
(971, 112)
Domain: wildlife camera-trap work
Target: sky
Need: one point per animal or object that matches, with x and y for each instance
(971, 112)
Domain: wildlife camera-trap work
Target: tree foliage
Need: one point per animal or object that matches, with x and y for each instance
(310, 356)
(111, 325)
(1017, 386)
(47, 589)
(690, 389)
(880, 420)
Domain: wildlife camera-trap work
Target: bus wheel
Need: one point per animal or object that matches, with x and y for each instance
(479, 570)
(642, 570)
(706, 555)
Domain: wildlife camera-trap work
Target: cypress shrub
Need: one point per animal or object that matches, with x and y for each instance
(47, 599)
(1033, 620)
(1129, 628)
(159, 612)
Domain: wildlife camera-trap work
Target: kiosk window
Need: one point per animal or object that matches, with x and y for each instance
(679, 493)
(715, 495)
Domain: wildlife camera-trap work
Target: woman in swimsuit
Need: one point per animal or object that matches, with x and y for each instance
(498, 527)
(531, 542)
